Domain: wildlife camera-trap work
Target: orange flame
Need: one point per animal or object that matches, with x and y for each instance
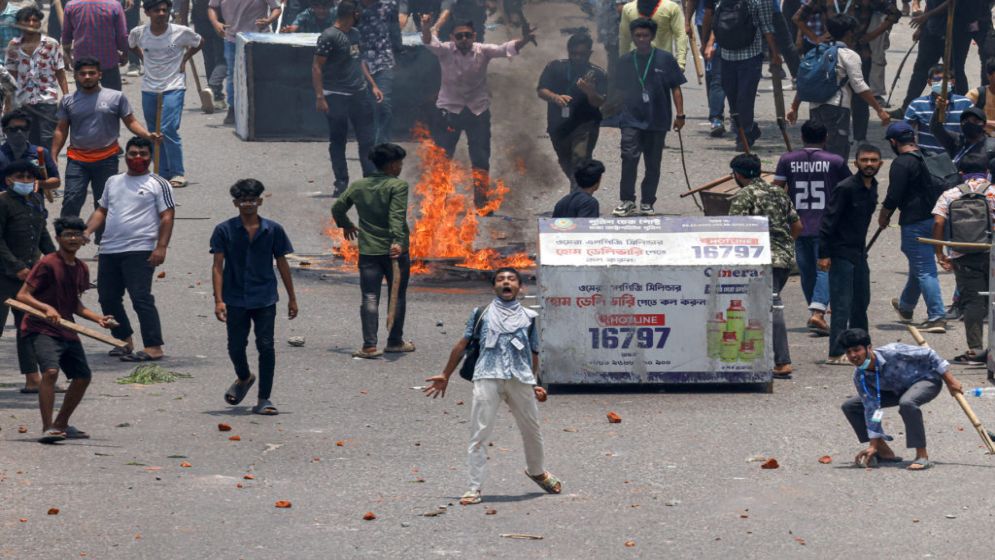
(445, 217)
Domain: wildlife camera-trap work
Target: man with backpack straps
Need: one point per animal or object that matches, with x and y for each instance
(505, 369)
(740, 27)
(974, 139)
(828, 77)
(911, 190)
(964, 214)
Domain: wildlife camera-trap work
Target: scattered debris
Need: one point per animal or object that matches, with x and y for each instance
(770, 464)
(614, 418)
(369, 516)
(630, 544)
(23, 520)
(53, 511)
(490, 512)
(185, 465)
(756, 458)
(672, 503)
(950, 516)
(249, 477)
(151, 374)
(235, 438)
(161, 275)
(296, 341)
(239, 485)
(800, 541)
(521, 536)
(283, 504)
(22, 429)
(459, 403)
(340, 443)
(825, 459)
(123, 425)
(222, 427)
(570, 430)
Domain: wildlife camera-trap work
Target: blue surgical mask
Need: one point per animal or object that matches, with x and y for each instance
(865, 365)
(23, 189)
(937, 88)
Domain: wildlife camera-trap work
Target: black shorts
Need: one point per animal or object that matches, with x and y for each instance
(56, 353)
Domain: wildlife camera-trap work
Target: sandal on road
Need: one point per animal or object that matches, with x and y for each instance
(75, 433)
(52, 435)
(875, 460)
(34, 390)
(237, 391)
(122, 351)
(471, 497)
(140, 356)
(920, 465)
(398, 348)
(265, 408)
(547, 482)
(367, 354)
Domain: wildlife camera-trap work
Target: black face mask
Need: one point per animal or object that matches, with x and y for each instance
(972, 129)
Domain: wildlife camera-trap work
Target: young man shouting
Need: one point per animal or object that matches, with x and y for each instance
(505, 371)
(54, 287)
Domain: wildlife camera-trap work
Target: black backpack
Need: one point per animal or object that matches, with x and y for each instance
(472, 351)
(734, 26)
(969, 219)
(940, 174)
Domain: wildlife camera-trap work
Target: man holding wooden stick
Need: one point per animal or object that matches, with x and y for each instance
(381, 201)
(892, 375)
(54, 286)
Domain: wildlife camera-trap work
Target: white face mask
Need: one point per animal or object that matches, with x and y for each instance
(23, 189)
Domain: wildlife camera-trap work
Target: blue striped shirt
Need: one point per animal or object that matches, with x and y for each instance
(920, 112)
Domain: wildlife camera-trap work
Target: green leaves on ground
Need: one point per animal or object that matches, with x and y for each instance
(149, 374)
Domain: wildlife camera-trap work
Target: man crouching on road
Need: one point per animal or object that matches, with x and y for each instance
(504, 371)
(893, 375)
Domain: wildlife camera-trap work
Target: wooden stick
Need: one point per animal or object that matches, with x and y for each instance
(873, 239)
(156, 149)
(954, 244)
(947, 52)
(699, 68)
(898, 73)
(44, 174)
(716, 183)
(395, 290)
(959, 397)
(76, 328)
(779, 108)
(206, 95)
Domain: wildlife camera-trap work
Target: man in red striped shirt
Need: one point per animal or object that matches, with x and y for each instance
(97, 28)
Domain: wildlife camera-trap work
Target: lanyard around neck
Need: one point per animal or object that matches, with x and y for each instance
(635, 64)
(863, 380)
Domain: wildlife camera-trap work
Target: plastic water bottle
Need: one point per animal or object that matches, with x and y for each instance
(983, 392)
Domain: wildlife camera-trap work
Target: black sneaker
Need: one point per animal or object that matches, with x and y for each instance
(647, 210)
(954, 313)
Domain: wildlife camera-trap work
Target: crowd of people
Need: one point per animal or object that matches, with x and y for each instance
(819, 211)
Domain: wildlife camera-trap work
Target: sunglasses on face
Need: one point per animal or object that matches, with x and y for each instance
(461, 36)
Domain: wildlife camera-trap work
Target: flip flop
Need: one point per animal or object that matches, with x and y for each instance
(118, 352)
(265, 408)
(547, 482)
(923, 464)
(26, 391)
(367, 355)
(471, 497)
(52, 436)
(75, 433)
(140, 356)
(875, 460)
(237, 391)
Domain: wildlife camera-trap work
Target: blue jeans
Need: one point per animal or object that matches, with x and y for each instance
(713, 85)
(384, 114)
(740, 79)
(230, 61)
(922, 272)
(815, 283)
(79, 175)
(849, 294)
(171, 158)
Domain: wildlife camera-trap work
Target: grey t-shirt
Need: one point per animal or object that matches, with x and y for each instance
(341, 73)
(94, 118)
(240, 15)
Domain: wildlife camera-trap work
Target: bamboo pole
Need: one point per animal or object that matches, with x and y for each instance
(69, 325)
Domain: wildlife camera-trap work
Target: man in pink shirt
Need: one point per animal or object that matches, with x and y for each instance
(464, 99)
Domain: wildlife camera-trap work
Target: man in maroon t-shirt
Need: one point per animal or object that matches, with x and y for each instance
(809, 175)
(53, 287)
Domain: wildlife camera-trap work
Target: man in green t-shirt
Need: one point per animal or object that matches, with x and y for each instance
(381, 200)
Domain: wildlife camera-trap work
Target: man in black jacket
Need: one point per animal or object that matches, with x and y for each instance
(23, 240)
(841, 248)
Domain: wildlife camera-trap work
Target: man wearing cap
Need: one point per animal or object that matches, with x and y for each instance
(165, 49)
(973, 139)
(888, 376)
(909, 190)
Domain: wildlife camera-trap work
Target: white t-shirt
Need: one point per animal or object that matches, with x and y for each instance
(133, 206)
(163, 54)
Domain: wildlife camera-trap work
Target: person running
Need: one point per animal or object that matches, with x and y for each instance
(54, 287)
(39, 69)
(581, 202)
(505, 370)
(647, 78)
(888, 376)
(23, 240)
(810, 176)
(757, 197)
(136, 213)
(381, 201)
(93, 134)
(164, 49)
(842, 253)
(245, 295)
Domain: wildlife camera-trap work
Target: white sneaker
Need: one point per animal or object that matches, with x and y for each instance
(626, 208)
(647, 210)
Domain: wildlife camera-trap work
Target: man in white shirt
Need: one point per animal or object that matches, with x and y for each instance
(136, 212)
(165, 49)
(834, 113)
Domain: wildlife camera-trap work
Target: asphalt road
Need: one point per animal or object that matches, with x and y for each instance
(675, 477)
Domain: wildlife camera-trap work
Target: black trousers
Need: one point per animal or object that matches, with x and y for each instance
(930, 52)
(649, 144)
(342, 110)
(849, 296)
(239, 321)
(860, 110)
(215, 66)
(26, 359)
(971, 272)
(446, 134)
(575, 148)
(131, 272)
(373, 269)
